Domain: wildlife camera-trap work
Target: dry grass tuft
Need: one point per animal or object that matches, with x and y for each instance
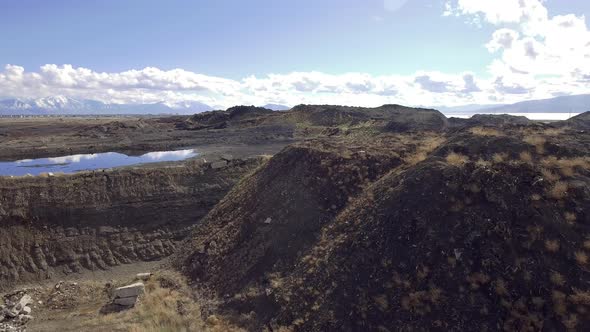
(549, 175)
(499, 157)
(485, 131)
(580, 297)
(526, 157)
(558, 190)
(483, 163)
(570, 217)
(552, 245)
(537, 141)
(456, 159)
(581, 257)
(557, 278)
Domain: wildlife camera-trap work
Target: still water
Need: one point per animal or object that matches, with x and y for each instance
(84, 162)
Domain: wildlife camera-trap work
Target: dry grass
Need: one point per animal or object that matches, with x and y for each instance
(166, 306)
(555, 131)
(552, 245)
(526, 157)
(500, 287)
(580, 297)
(566, 166)
(558, 190)
(549, 175)
(483, 163)
(537, 141)
(499, 157)
(581, 257)
(485, 131)
(557, 278)
(570, 217)
(456, 159)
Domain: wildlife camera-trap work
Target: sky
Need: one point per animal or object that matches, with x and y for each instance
(354, 52)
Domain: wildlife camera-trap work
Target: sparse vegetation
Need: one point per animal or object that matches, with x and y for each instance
(456, 159)
(537, 141)
(558, 190)
(485, 131)
(581, 257)
(552, 245)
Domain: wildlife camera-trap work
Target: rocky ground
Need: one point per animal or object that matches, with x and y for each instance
(377, 219)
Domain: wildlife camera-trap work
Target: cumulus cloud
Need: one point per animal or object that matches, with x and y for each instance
(532, 59)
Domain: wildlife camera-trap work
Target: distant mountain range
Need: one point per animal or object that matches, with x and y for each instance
(61, 105)
(562, 104)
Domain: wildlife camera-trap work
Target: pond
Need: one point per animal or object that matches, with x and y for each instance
(85, 162)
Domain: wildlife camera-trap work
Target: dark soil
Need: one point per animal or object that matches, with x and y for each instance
(482, 226)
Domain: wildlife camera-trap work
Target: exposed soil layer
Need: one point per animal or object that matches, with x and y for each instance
(94, 220)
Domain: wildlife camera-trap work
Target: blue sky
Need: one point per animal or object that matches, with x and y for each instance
(379, 46)
(238, 38)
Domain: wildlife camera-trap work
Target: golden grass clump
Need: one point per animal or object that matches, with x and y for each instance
(485, 131)
(526, 157)
(581, 257)
(456, 159)
(483, 163)
(537, 141)
(552, 245)
(549, 175)
(558, 190)
(557, 278)
(580, 297)
(570, 217)
(499, 157)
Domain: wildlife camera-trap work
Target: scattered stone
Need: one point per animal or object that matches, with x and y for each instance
(268, 220)
(16, 312)
(23, 319)
(212, 320)
(135, 289)
(126, 301)
(227, 157)
(218, 164)
(127, 295)
(143, 276)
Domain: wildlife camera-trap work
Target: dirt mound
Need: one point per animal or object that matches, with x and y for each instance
(223, 119)
(389, 118)
(580, 121)
(274, 215)
(488, 230)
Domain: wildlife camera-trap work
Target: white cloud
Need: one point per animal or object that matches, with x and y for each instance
(536, 56)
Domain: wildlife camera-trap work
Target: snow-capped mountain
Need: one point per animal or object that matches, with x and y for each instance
(57, 105)
(192, 106)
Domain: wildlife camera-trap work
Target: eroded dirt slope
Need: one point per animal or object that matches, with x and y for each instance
(94, 220)
(485, 226)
